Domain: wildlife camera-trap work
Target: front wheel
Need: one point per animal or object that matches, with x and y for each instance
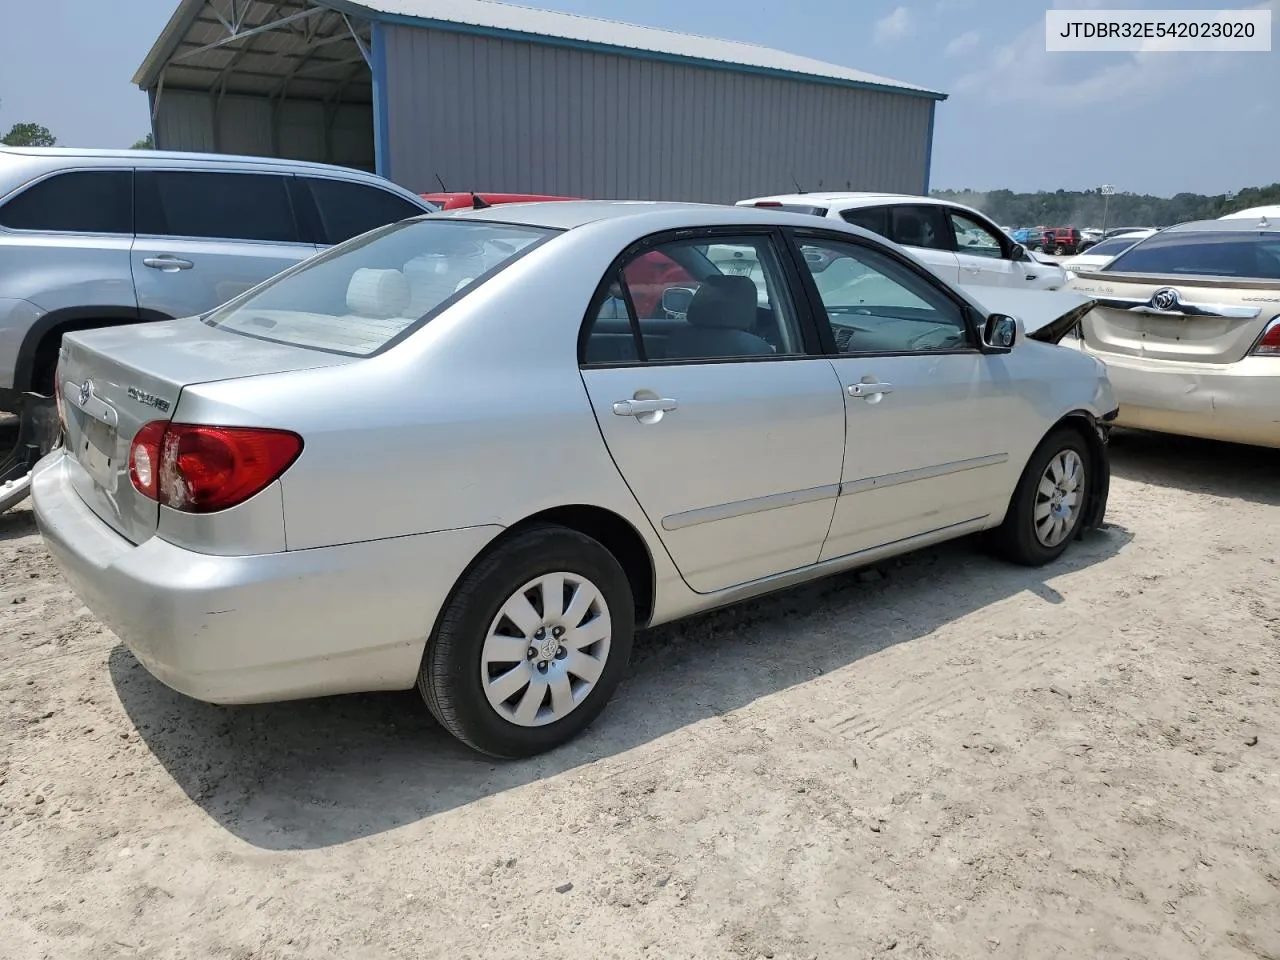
(1049, 502)
(531, 645)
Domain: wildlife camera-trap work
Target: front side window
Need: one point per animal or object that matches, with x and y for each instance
(877, 305)
(348, 209)
(973, 238)
(921, 226)
(692, 300)
(79, 201)
(1248, 255)
(356, 299)
(215, 206)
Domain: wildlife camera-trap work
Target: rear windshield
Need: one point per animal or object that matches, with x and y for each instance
(1109, 248)
(1250, 256)
(360, 296)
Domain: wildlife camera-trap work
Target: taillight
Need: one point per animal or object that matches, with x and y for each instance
(1268, 344)
(201, 469)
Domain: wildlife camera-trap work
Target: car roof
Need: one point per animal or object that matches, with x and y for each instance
(1226, 226)
(142, 156)
(568, 214)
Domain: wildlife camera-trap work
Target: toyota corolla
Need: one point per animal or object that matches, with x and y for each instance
(462, 451)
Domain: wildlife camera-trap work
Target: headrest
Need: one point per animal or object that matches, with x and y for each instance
(725, 302)
(377, 293)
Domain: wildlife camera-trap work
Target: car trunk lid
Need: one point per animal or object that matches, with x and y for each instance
(115, 380)
(1195, 319)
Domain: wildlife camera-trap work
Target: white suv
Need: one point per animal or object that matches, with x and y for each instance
(92, 238)
(956, 242)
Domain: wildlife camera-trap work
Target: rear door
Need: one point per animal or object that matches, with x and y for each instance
(1199, 296)
(924, 231)
(726, 427)
(205, 236)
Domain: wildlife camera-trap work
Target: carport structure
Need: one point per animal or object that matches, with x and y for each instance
(491, 96)
(288, 78)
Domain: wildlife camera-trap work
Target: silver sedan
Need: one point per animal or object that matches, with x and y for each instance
(476, 451)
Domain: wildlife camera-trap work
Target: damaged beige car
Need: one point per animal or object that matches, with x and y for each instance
(1188, 324)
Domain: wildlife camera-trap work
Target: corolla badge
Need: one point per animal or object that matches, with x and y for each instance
(86, 391)
(1166, 298)
(149, 399)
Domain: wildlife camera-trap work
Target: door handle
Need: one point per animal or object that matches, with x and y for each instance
(862, 391)
(638, 408)
(167, 263)
(1028, 276)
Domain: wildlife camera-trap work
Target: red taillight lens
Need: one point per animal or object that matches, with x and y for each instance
(201, 469)
(144, 459)
(1269, 344)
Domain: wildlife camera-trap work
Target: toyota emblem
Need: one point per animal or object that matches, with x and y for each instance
(1166, 298)
(86, 391)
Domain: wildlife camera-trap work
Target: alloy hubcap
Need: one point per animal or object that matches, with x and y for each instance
(546, 649)
(1058, 498)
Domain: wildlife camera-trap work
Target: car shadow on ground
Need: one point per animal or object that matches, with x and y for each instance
(307, 774)
(1230, 470)
(17, 524)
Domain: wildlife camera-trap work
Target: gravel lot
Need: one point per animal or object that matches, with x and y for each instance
(957, 759)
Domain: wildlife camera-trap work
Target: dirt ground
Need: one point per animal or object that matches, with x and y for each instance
(957, 759)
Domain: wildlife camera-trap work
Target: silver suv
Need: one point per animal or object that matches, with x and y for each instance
(92, 238)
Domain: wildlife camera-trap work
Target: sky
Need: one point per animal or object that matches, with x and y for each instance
(1017, 117)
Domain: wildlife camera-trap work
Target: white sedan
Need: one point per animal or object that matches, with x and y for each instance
(476, 450)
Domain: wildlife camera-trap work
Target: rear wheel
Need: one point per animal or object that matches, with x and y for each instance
(1048, 504)
(531, 645)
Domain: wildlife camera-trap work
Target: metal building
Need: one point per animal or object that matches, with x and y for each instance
(482, 95)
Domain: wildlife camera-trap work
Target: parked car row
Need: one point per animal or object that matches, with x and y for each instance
(589, 417)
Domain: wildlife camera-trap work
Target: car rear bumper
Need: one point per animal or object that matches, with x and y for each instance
(1237, 402)
(251, 629)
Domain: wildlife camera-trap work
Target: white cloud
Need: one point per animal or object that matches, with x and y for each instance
(963, 43)
(896, 25)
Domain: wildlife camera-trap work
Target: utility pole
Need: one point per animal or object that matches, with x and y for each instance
(1107, 191)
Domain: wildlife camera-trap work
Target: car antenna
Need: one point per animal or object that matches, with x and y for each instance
(443, 188)
(799, 189)
(478, 202)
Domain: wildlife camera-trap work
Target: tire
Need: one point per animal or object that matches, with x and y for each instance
(1018, 539)
(475, 644)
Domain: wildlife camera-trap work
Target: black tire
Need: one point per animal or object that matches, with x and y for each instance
(450, 677)
(1016, 538)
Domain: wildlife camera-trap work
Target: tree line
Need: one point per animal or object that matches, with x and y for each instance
(28, 134)
(1084, 208)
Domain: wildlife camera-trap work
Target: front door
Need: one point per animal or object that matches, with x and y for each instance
(728, 432)
(205, 237)
(924, 407)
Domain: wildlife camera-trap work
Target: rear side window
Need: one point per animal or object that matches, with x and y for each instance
(349, 209)
(874, 219)
(81, 201)
(919, 227)
(1254, 256)
(216, 206)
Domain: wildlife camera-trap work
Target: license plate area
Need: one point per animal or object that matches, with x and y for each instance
(96, 451)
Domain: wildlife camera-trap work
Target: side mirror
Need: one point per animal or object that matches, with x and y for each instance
(999, 333)
(1017, 252)
(675, 302)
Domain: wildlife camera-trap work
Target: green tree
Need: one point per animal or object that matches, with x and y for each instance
(28, 135)
(146, 143)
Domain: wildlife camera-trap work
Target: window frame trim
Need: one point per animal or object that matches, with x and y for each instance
(288, 177)
(819, 312)
(27, 185)
(812, 344)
